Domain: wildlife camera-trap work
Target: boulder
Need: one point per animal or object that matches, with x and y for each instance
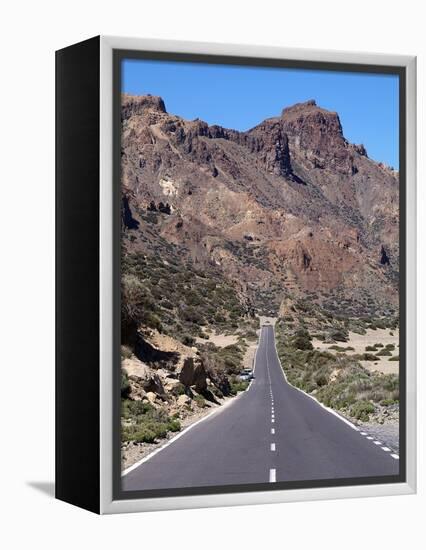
(183, 400)
(171, 384)
(193, 374)
(151, 396)
(142, 378)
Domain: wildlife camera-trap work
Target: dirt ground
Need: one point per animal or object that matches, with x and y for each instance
(359, 343)
(219, 340)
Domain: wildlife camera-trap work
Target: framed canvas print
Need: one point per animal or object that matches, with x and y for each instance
(235, 275)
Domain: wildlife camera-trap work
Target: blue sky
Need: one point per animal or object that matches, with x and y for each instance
(241, 97)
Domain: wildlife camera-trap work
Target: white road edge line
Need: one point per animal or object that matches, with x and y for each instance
(272, 475)
(180, 434)
(328, 409)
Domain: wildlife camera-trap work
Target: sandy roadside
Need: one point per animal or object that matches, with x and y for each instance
(360, 341)
(219, 340)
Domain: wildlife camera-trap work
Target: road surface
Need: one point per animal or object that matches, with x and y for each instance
(272, 432)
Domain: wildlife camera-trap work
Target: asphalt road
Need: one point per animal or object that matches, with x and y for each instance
(272, 432)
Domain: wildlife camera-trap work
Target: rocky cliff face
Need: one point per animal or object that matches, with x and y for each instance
(288, 207)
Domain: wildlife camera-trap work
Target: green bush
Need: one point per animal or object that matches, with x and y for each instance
(125, 384)
(340, 335)
(384, 353)
(200, 401)
(187, 340)
(178, 389)
(321, 379)
(362, 410)
(142, 423)
(238, 385)
(341, 348)
(302, 340)
(387, 402)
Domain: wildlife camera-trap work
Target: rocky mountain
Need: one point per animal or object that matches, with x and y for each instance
(289, 207)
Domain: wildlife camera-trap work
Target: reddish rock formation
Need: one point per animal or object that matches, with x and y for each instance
(288, 206)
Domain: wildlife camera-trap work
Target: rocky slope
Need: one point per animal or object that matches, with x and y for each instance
(288, 207)
(221, 226)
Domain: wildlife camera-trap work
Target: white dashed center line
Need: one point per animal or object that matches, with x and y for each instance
(396, 457)
(272, 431)
(272, 475)
(272, 420)
(272, 446)
(369, 437)
(377, 442)
(386, 449)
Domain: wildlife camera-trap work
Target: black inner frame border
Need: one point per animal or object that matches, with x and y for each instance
(118, 56)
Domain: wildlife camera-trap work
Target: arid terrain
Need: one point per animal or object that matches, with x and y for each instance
(221, 227)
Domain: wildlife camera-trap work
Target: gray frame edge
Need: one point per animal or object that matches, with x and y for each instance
(108, 504)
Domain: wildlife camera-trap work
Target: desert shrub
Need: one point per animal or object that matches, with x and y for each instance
(362, 410)
(126, 352)
(321, 379)
(238, 385)
(250, 335)
(387, 402)
(137, 307)
(341, 348)
(200, 401)
(390, 347)
(187, 340)
(352, 389)
(370, 348)
(125, 384)
(383, 353)
(192, 315)
(394, 358)
(302, 340)
(167, 304)
(340, 335)
(144, 424)
(178, 389)
(378, 345)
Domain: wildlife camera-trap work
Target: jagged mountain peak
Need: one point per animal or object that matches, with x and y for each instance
(141, 104)
(243, 200)
(309, 115)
